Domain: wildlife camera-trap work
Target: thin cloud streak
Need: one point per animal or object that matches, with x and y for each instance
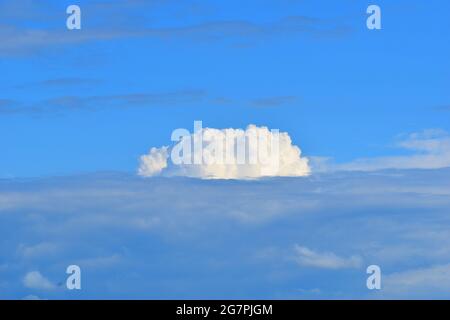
(15, 40)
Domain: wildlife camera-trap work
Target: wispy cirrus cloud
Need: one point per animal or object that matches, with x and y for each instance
(61, 83)
(38, 250)
(275, 101)
(443, 108)
(17, 38)
(429, 149)
(326, 260)
(182, 97)
(8, 106)
(68, 103)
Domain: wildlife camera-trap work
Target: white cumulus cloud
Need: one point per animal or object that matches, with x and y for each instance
(227, 154)
(154, 162)
(35, 280)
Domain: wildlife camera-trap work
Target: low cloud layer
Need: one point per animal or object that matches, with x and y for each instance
(192, 238)
(433, 279)
(252, 153)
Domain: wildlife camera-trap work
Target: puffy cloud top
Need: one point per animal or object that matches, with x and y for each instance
(154, 162)
(226, 154)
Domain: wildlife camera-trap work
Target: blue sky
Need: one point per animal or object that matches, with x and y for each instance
(340, 90)
(368, 108)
